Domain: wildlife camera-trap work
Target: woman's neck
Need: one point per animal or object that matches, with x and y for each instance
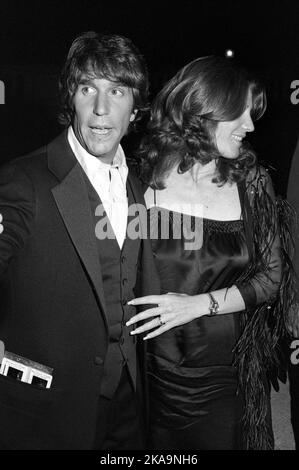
(199, 171)
(195, 174)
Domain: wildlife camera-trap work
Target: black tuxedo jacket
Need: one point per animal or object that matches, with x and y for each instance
(52, 300)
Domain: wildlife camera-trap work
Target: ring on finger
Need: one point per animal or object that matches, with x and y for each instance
(161, 321)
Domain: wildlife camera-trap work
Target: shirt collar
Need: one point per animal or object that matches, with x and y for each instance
(92, 164)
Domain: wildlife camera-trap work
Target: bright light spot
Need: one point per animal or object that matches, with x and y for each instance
(229, 53)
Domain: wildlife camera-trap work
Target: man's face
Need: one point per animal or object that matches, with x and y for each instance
(103, 112)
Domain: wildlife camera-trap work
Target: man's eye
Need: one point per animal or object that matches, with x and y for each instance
(117, 91)
(87, 90)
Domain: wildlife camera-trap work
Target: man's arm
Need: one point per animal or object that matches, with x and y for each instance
(17, 208)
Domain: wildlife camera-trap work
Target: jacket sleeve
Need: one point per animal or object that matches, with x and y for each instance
(262, 227)
(293, 198)
(267, 287)
(17, 207)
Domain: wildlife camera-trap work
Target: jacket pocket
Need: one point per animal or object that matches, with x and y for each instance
(27, 398)
(26, 415)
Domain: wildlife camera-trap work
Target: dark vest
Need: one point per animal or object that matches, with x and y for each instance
(119, 271)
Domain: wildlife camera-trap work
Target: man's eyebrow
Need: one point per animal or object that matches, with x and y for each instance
(85, 80)
(118, 83)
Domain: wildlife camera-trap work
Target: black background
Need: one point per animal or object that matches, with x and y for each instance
(35, 37)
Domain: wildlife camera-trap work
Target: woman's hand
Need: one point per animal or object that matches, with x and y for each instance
(171, 310)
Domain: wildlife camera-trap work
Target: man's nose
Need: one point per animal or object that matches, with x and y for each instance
(101, 104)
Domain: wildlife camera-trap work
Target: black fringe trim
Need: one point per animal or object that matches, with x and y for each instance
(258, 355)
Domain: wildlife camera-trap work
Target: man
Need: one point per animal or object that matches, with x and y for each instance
(64, 284)
(293, 197)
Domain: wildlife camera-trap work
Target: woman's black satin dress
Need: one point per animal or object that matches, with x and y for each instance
(192, 382)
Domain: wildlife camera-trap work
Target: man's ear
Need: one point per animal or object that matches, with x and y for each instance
(133, 115)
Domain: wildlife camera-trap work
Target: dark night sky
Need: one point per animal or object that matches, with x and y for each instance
(35, 37)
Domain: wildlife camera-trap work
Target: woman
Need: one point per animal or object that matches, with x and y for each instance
(213, 330)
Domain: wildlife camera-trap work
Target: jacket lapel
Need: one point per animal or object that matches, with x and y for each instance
(73, 204)
(149, 283)
(139, 199)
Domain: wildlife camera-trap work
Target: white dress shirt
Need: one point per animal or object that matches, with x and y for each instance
(109, 181)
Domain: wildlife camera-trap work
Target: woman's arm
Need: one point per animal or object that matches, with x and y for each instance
(262, 280)
(172, 309)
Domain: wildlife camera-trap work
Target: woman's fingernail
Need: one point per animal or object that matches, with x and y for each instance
(131, 302)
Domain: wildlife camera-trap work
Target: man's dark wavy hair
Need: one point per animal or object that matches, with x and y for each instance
(111, 57)
(185, 114)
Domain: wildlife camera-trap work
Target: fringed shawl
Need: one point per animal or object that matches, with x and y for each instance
(268, 226)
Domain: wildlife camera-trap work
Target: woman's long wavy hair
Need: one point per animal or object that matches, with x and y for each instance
(111, 57)
(184, 117)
